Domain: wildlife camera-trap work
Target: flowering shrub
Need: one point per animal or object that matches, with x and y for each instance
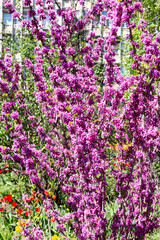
(61, 142)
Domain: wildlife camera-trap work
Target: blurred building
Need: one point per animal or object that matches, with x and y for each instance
(9, 26)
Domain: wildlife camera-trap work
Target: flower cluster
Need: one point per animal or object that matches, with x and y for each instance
(73, 122)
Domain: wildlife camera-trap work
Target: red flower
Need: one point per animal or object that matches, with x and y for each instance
(30, 198)
(33, 192)
(9, 198)
(62, 188)
(36, 199)
(14, 204)
(1, 171)
(1, 209)
(19, 211)
(6, 166)
(114, 164)
(4, 199)
(27, 212)
(37, 209)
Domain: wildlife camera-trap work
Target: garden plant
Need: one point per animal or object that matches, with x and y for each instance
(80, 155)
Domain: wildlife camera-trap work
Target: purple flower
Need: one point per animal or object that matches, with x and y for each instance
(31, 118)
(70, 51)
(18, 127)
(27, 2)
(91, 101)
(27, 152)
(88, 60)
(17, 158)
(14, 115)
(40, 129)
(60, 94)
(16, 14)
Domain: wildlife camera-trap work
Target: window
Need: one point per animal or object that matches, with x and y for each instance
(116, 49)
(15, 20)
(46, 21)
(7, 19)
(58, 19)
(104, 13)
(122, 69)
(123, 25)
(96, 20)
(122, 47)
(16, 23)
(25, 16)
(77, 14)
(107, 22)
(83, 13)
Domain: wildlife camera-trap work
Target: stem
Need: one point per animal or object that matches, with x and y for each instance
(49, 228)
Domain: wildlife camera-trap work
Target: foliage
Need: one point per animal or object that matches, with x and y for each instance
(152, 15)
(85, 152)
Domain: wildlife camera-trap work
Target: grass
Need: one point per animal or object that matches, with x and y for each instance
(154, 236)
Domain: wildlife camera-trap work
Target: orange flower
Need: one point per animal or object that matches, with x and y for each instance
(19, 211)
(53, 219)
(14, 204)
(27, 212)
(54, 197)
(37, 209)
(45, 192)
(36, 199)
